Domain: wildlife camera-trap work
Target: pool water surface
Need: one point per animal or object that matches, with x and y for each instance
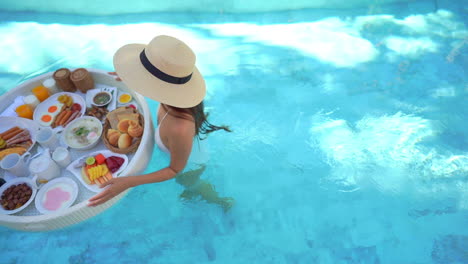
(349, 142)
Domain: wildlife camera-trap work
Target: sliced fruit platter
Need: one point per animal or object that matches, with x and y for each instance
(59, 110)
(97, 168)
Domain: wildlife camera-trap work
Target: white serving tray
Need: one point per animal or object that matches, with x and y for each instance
(30, 219)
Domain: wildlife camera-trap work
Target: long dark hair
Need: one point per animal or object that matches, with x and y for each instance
(202, 126)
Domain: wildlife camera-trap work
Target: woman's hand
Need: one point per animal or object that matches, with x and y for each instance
(116, 186)
(114, 73)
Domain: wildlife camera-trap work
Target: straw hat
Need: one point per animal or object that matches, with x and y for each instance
(164, 70)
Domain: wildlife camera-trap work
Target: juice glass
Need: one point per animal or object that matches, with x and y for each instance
(24, 111)
(41, 92)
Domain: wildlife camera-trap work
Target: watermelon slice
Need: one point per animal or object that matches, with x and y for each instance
(114, 163)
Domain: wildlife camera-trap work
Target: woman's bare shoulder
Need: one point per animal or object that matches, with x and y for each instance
(182, 127)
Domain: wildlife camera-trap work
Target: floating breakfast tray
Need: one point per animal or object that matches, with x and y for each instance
(30, 219)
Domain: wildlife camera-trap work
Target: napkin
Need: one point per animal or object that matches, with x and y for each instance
(10, 111)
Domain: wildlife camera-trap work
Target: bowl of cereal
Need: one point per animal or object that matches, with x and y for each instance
(16, 194)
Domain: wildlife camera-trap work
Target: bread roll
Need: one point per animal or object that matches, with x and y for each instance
(135, 129)
(113, 136)
(112, 131)
(123, 125)
(124, 141)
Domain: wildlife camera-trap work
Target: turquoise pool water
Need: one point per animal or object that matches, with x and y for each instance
(350, 140)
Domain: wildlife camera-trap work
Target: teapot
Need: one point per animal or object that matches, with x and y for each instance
(43, 167)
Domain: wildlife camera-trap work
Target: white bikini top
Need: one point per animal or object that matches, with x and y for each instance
(157, 136)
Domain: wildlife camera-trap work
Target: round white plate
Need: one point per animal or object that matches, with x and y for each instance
(75, 168)
(64, 182)
(7, 122)
(43, 106)
(16, 181)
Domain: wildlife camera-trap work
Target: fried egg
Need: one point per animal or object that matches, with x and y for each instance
(46, 120)
(55, 109)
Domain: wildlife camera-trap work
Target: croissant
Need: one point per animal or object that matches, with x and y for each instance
(124, 141)
(135, 129)
(113, 136)
(123, 125)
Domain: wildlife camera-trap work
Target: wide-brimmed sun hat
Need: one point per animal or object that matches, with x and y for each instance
(164, 70)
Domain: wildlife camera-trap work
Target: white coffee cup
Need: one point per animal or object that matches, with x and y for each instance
(16, 164)
(47, 138)
(62, 156)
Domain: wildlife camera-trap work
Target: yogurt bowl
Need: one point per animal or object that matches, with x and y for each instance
(83, 133)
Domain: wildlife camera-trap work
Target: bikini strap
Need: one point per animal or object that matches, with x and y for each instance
(178, 115)
(162, 119)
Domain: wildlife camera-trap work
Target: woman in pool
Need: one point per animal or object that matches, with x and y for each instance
(164, 70)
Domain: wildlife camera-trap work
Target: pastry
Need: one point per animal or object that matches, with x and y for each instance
(112, 131)
(114, 116)
(113, 136)
(8, 151)
(124, 141)
(123, 125)
(135, 129)
(131, 116)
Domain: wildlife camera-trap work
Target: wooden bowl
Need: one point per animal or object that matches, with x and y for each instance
(136, 141)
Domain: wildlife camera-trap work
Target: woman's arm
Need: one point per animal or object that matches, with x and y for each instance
(180, 146)
(120, 184)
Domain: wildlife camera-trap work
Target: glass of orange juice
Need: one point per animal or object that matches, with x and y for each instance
(41, 92)
(24, 111)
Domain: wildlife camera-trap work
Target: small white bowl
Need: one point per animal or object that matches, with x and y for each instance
(16, 181)
(103, 103)
(72, 132)
(129, 96)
